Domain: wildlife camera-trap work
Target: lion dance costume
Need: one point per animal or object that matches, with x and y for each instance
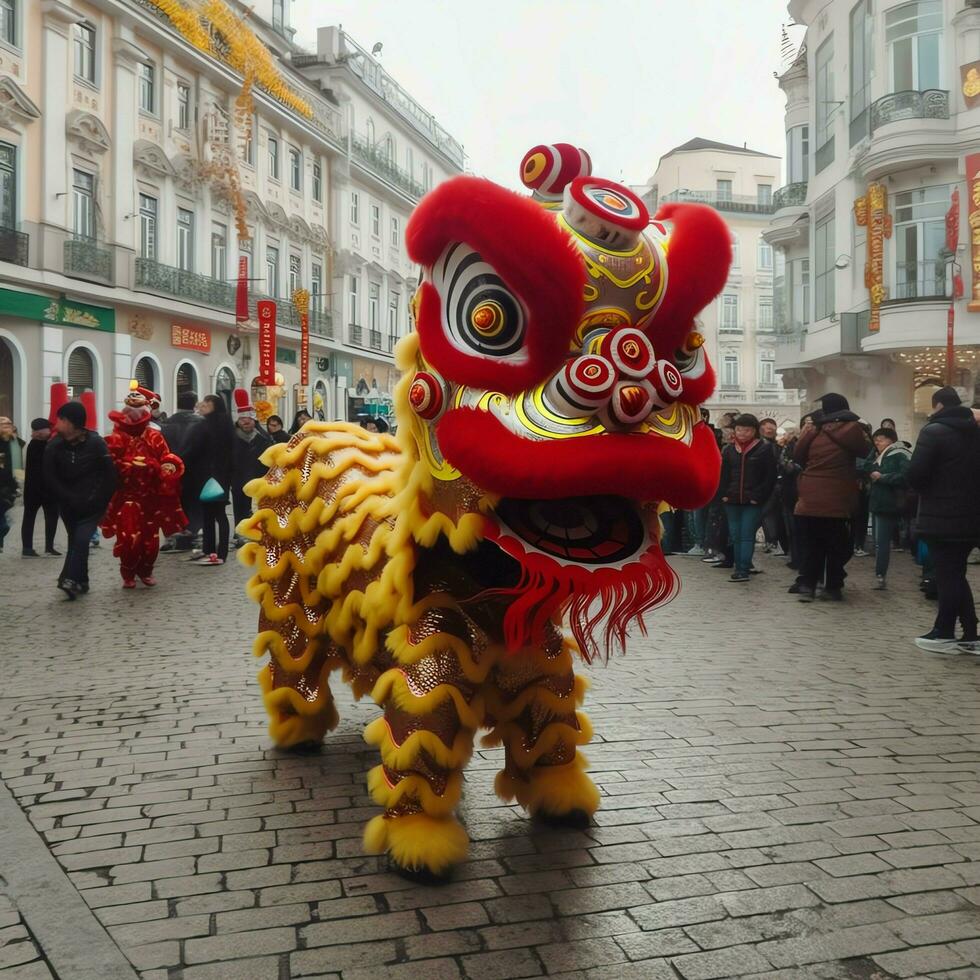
(549, 405)
(147, 500)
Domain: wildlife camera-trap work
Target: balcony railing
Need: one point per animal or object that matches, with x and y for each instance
(731, 329)
(375, 157)
(744, 203)
(85, 258)
(932, 103)
(375, 339)
(13, 246)
(790, 196)
(391, 344)
(920, 280)
(159, 278)
(355, 334)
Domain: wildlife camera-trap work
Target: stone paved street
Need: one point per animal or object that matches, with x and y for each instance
(788, 791)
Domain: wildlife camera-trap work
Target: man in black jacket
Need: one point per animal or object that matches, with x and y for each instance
(80, 474)
(179, 429)
(945, 469)
(250, 444)
(37, 496)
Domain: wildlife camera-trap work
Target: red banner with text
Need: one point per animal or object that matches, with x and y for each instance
(267, 342)
(241, 291)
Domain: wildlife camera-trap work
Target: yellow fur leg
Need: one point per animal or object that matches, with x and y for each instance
(418, 842)
(551, 790)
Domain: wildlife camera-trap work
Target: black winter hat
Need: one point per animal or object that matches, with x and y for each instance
(75, 413)
(947, 397)
(747, 420)
(832, 402)
(38, 424)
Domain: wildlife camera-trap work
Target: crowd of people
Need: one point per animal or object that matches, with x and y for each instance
(837, 488)
(69, 473)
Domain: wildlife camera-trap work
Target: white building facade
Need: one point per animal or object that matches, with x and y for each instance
(119, 149)
(739, 325)
(881, 115)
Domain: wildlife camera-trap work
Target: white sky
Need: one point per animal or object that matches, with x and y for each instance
(627, 81)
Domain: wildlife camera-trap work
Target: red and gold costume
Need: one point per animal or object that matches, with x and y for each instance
(549, 405)
(148, 498)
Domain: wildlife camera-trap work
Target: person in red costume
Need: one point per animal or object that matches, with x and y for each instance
(147, 500)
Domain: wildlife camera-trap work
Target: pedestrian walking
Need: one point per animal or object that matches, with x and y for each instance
(886, 472)
(250, 443)
(8, 482)
(299, 420)
(178, 430)
(827, 487)
(772, 515)
(862, 509)
(37, 495)
(945, 469)
(275, 429)
(210, 454)
(82, 478)
(748, 476)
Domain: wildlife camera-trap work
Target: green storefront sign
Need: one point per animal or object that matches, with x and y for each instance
(60, 312)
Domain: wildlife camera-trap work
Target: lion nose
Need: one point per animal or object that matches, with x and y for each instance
(582, 386)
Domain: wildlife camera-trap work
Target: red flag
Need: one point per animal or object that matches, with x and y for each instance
(241, 291)
(304, 350)
(267, 342)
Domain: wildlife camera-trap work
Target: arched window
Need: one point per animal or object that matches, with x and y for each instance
(186, 378)
(224, 385)
(81, 371)
(7, 381)
(145, 373)
(370, 132)
(389, 148)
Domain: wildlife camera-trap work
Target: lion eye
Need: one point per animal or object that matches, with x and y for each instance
(480, 314)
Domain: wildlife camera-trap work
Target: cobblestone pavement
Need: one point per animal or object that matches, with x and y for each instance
(788, 791)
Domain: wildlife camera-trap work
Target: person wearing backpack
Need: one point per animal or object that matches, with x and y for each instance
(945, 470)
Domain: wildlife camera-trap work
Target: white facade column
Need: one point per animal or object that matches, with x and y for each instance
(59, 19)
(123, 222)
(52, 360)
(122, 368)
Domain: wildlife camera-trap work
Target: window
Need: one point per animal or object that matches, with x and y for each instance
(316, 285)
(147, 82)
(396, 237)
(8, 186)
(796, 296)
(369, 130)
(145, 373)
(426, 177)
(186, 379)
(148, 226)
(224, 385)
(797, 154)
(85, 52)
(295, 273)
(295, 170)
(764, 324)
(355, 208)
(376, 220)
(920, 240)
(354, 300)
(729, 312)
(736, 252)
(730, 372)
(763, 193)
(278, 15)
(185, 239)
(273, 158)
(317, 182)
(914, 34)
(723, 189)
(248, 142)
(389, 148)
(374, 302)
(767, 368)
(823, 256)
(825, 104)
(410, 162)
(765, 256)
(83, 204)
(183, 106)
(81, 371)
(219, 250)
(860, 70)
(394, 301)
(8, 22)
(272, 270)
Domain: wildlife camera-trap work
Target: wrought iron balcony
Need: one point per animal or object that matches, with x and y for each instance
(732, 329)
(391, 344)
(744, 203)
(376, 159)
(790, 196)
(13, 246)
(155, 277)
(375, 339)
(85, 258)
(321, 324)
(932, 103)
(355, 334)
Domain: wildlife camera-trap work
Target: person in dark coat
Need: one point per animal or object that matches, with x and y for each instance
(886, 470)
(249, 444)
(748, 477)
(275, 429)
(36, 494)
(8, 482)
(945, 469)
(81, 476)
(827, 491)
(210, 451)
(178, 430)
(299, 420)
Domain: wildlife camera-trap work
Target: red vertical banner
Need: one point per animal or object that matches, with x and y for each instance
(301, 300)
(267, 342)
(953, 221)
(973, 220)
(950, 353)
(241, 290)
